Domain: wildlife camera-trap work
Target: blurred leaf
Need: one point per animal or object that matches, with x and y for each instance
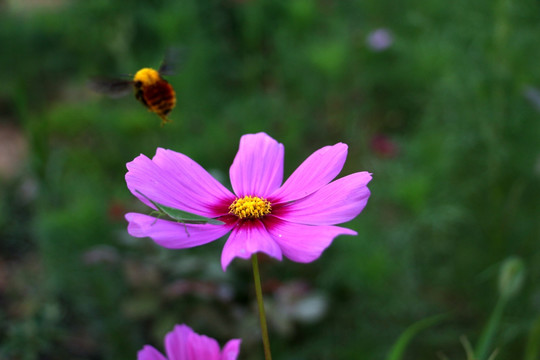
(532, 350)
(468, 348)
(398, 349)
(329, 56)
(488, 334)
(511, 276)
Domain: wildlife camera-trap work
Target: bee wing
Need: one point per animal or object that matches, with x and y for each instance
(173, 56)
(111, 87)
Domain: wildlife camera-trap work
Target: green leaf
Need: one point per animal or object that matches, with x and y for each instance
(490, 330)
(183, 216)
(397, 351)
(532, 351)
(468, 348)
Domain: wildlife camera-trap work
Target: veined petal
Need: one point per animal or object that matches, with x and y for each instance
(173, 179)
(149, 353)
(176, 342)
(171, 234)
(231, 350)
(338, 202)
(305, 243)
(257, 168)
(246, 239)
(202, 347)
(317, 170)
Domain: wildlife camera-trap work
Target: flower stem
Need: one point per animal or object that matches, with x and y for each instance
(260, 303)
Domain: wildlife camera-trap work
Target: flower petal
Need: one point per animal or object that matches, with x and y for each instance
(304, 243)
(317, 170)
(173, 179)
(246, 239)
(231, 350)
(176, 342)
(149, 353)
(257, 168)
(171, 234)
(202, 347)
(338, 202)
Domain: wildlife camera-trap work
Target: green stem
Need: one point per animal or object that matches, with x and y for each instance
(260, 303)
(490, 330)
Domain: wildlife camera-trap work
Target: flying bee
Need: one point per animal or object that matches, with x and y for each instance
(151, 89)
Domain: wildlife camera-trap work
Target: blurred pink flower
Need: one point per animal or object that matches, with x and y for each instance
(380, 39)
(184, 344)
(294, 219)
(384, 146)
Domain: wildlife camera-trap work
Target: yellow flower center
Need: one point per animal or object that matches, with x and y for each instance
(250, 207)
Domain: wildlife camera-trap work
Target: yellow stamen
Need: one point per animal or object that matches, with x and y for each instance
(250, 207)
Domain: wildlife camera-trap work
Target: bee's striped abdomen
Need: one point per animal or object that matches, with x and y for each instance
(159, 97)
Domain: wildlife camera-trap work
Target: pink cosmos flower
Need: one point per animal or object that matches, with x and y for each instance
(295, 219)
(184, 344)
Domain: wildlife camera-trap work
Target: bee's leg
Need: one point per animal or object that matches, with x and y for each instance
(164, 119)
(140, 97)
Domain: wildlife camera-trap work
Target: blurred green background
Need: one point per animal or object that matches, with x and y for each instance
(439, 100)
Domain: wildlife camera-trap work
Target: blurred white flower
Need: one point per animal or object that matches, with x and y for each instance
(100, 254)
(380, 39)
(533, 95)
(295, 302)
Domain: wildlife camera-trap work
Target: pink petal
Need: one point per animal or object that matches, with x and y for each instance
(176, 342)
(305, 243)
(257, 168)
(202, 347)
(173, 179)
(248, 238)
(231, 350)
(149, 353)
(171, 234)
(338, 202)
(317, 170)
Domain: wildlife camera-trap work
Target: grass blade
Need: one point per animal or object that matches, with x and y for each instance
(532, 351)
(397, 351)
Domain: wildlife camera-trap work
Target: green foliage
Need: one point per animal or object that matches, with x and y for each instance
(533, 341)
(398, 350)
